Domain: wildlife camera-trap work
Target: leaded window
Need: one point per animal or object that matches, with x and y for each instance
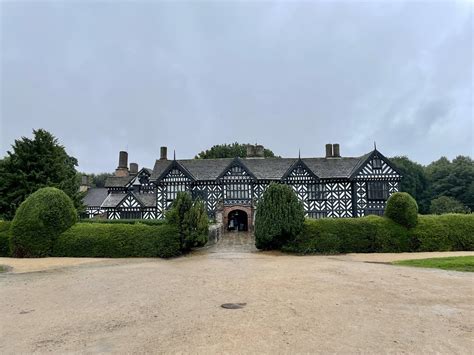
(317, 214)
(377, 190)
(316, 192)
(377, 163)
(172, 190)
(374, 211)
(130, 215)
(237, 191)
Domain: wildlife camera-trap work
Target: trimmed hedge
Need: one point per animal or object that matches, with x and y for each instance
(5, 238)
(369, 234)
(118, 241)
(443, 232)
(39, 220)
(373, 234)
(402, 208)
(148, 222)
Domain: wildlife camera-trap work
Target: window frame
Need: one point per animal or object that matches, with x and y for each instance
(316, 192)
(378, 194)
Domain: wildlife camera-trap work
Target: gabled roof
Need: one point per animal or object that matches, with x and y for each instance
(237, 162)
(269, 168)
(95, 196)
(122, 181)
(266, 168)
(114, 199)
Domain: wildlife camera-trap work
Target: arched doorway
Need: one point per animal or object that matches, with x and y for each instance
(237, 220)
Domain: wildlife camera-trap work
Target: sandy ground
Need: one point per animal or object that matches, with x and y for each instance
(315, 304)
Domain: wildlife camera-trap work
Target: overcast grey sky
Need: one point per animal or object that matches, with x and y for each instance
(108, 76)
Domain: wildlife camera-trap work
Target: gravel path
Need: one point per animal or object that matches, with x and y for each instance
(317, 304)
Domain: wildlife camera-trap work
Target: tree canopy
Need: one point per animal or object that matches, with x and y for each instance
(33, 164)
(442, 177)
(229, 151)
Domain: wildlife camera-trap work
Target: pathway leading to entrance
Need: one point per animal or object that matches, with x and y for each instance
(234, 242)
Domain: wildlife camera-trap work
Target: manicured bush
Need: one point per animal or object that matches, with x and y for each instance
(373, 234)
(118, 241)
(148, 222)
(279, 218)
(39, 220)
(443, 233)
(352, 235)
(190, 218)
(5, 238)
(402, 209)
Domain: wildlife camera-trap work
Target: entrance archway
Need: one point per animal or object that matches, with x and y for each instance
(237, 220)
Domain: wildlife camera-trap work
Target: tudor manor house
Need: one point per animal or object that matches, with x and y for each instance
(329, 186)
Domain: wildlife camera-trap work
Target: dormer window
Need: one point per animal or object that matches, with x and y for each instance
(376, 163)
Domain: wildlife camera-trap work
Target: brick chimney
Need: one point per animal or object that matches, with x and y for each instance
(329, 150)
(163, 153)
(255, 151)
(133, 168)
(122, 169)
(84, 183)
(336, 151)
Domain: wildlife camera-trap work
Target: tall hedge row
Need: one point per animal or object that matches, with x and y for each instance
(374, 234)
(118, 241)
(5, 238)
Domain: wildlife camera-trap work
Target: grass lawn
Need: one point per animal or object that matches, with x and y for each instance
(457, 263)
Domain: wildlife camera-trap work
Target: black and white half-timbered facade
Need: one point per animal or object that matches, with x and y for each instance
(330, 186)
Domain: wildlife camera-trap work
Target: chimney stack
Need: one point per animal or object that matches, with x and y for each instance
(163, 153)
(335, 151)
(255, 151)
(84, 183)
(122, 169)
(329, 150)
(133, 168)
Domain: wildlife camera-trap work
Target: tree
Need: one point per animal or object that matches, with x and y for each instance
(414, 180)
(191, 219)
(229, 151)
(95, 180)
(279, 218)
(33, 164)
(453, 179)
(445, 204)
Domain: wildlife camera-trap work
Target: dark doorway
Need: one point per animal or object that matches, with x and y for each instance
(237, 221)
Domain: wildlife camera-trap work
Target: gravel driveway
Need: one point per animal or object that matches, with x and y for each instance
(317, 304)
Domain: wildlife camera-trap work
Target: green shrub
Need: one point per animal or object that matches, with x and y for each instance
(190, 217)
(350, 235)
(373, 234)
(118, 241)
(279, 217)
(444, 233)
(445, 204)
(148, 222)
(402, 209)
(5, 238)
(39, 220)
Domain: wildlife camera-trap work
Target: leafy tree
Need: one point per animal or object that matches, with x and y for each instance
(445, 204)
(279, 218)
(95, 180)
(33, 164)
(453, 179)
(191, 219)
(414, 181)
(229, 151)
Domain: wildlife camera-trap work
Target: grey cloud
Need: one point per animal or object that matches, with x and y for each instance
(291, 75)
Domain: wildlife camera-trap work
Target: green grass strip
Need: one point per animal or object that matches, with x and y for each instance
(456, 263)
